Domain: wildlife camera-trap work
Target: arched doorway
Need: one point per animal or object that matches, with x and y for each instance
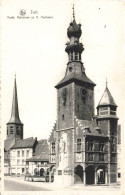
(78, 174)
(41, 172)
(90, 174)
(36, 172)
(101, 175)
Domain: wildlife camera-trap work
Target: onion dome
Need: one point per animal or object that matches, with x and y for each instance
(74, 30)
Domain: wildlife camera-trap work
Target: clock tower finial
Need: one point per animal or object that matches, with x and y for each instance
(73, 12)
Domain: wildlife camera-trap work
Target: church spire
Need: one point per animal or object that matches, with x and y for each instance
(15, 111)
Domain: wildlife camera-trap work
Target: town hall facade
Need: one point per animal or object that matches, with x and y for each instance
(86, 145)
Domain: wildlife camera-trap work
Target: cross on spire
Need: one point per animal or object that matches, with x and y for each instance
(73, 12)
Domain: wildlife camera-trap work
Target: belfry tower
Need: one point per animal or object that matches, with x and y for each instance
(75, 97)
(75, 90)
(14, 126)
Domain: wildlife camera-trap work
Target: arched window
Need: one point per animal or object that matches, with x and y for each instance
(41, 172)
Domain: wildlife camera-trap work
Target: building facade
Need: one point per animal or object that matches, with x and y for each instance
(19, 153)
(86, 145)
(14, 130)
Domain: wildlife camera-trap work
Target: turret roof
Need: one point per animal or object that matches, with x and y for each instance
(107, 99)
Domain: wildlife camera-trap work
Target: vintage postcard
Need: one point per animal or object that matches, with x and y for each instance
(62, 97)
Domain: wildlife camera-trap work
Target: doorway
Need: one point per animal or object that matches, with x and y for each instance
(90, 174)
(101, 175)
(78, 174)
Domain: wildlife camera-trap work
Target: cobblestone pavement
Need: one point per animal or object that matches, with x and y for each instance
(52, 186)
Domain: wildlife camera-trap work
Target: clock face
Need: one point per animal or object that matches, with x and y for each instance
(64, 92)
(83, 92)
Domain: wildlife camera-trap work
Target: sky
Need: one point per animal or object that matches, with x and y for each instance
(34, 49)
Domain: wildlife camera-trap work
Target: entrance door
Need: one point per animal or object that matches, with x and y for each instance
(90, 174)
(41, 172)
(78, 174)
(101, 175)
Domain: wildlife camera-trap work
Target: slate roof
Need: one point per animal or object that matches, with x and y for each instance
(92, 125)
(24, 143)
(15, 111)
(107, 99)
(73, 77)
(8, 143)
(41, 151)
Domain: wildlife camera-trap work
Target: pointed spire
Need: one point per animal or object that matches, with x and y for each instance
(107, 98)
(15, 112)
(73, 12)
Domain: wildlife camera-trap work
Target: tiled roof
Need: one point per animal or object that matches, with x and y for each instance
(73, 77)
(107, 99)
(8, 143)
(83, 124)
(24, 143)
(41, 151)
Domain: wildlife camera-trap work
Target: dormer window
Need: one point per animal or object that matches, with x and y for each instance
(98, 130)
(87, 129)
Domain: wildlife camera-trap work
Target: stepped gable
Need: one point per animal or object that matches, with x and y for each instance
(41, 151)
(24, 143)
(52, 136)
(90, 128)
